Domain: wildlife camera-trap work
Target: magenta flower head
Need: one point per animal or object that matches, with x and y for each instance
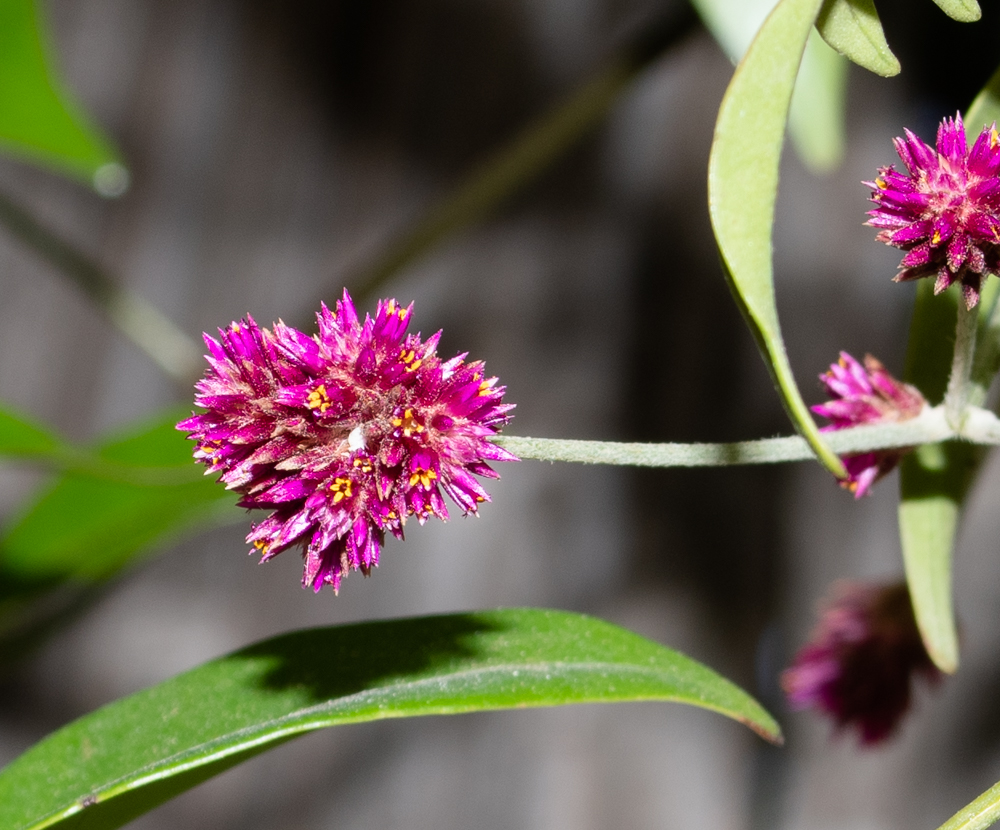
(866, 395)
(857, 666)
(345, 435)
(944, 211)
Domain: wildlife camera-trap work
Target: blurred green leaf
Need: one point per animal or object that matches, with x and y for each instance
(39, 120)
(733, 23)
(985, 109)
(853, 28)
(964, 11)
(743, 185)
(816, 117)
(91, 523)
(21, 437)
(121, 761)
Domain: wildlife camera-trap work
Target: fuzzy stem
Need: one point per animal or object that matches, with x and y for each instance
(980, 427)
(956, 399)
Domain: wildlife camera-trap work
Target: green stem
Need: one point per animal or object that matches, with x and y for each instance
(980, 427)
(978, 815)
(956, 399)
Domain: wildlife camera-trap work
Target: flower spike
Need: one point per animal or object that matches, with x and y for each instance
(345, 435)
(944, 210)
(859, 661)
(866, 395)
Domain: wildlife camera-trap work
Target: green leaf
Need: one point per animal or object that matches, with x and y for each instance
(91, 523)
(133, 754)
(964, 11)
(985, 109)
(39, 120)
(853, 28)
(816, 117)
(743, 185)
(980, 814)
(21, 437)
(935, 479)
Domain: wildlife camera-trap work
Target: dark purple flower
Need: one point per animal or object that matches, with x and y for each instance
(866, 395)
(345, 435)
(945, 210)
(857, 666)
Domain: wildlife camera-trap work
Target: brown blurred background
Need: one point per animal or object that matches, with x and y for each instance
(275, 147)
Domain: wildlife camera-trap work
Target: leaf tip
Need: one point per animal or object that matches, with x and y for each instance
(889, 66)
(111, 180)
(770, 731)
(944, 655)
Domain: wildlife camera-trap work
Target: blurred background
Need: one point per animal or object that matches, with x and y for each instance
(277, 148)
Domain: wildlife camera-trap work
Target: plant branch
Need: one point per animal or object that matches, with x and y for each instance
(145, 325)
(931, 426)
(521, 161)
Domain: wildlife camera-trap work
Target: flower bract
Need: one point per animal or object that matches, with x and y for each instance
(944, 210)
(866, 394)
(345, 435)
(859, 662)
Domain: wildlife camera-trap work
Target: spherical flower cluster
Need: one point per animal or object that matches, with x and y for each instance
(858, 664)
(866, 395)
(945, 210)
(345, 435)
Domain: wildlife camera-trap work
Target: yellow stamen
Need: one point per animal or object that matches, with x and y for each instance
(424, 477)
(318, 399)
(408, 423)
(880, 183)
(936, 239)
(407, 356)
(392, 308)
(341, 489)
(363, 464)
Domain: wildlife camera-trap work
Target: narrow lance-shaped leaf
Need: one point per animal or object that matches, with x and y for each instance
(743, 185)
(38, 118)
(853, 28)
(935, 479)
(964, 11)
(121, 761)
